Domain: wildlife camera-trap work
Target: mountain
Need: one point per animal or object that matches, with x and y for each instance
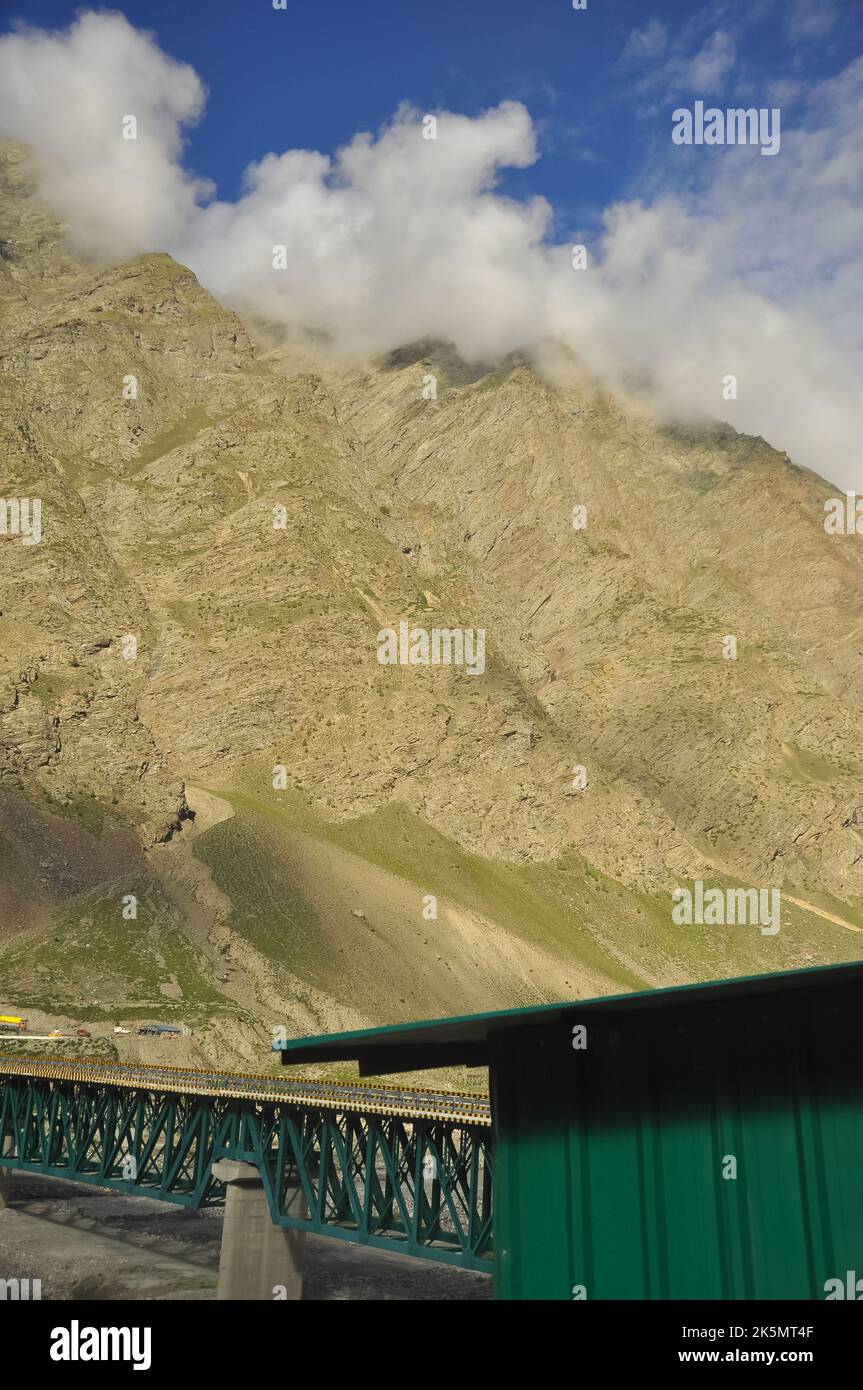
(228, 521)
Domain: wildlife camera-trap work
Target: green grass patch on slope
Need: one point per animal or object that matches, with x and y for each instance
(183, 431)
(571, 908)
(547, 906)
(91, 962)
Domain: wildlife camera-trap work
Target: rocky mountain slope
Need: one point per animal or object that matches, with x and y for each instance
(227, 525)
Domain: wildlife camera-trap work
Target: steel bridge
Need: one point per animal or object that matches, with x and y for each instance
(397, 1168)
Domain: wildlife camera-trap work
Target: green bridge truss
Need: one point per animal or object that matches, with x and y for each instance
(420, 1186)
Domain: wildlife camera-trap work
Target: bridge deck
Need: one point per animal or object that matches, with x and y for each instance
(343, 1096)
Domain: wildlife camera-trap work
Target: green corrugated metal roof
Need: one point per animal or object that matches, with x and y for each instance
(464, 1040)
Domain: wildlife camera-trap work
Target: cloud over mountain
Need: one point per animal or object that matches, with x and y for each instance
(737, 266)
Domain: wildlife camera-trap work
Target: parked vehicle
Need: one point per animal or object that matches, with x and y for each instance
(12, 1023)
(84, 1033)
(56, 1033)
(118, 1029)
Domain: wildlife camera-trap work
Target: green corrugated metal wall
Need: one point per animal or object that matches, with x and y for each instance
(608, 1161)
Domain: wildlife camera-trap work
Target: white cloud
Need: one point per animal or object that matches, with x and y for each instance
(712, 63)
(646, 45)
(784, 92)
(810, 19)
(398, 238)
(664, 69)
(68, 94)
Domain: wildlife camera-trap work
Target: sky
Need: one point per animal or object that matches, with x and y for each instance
(310, 76)
(555, 129)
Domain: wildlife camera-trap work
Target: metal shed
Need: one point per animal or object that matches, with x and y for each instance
(704, 1141)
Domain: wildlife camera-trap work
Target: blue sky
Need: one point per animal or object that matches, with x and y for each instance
(314, 74)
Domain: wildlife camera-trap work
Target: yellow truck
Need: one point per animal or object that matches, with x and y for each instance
(11, 1023)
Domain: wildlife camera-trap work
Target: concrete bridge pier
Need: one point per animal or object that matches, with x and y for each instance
(258, 1260)
(5, 1187)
